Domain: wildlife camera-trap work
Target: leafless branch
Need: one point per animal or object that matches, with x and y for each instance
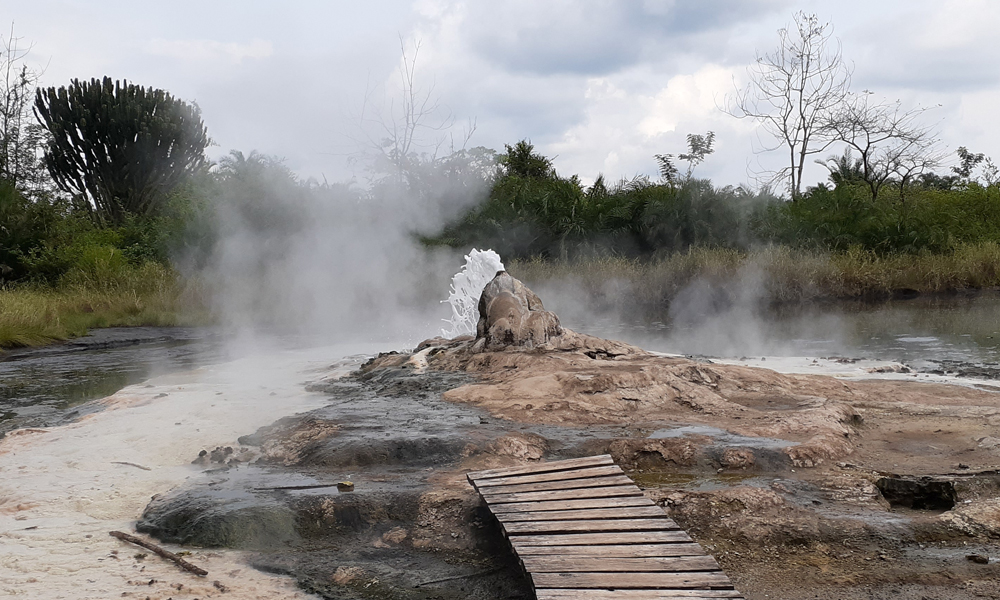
(791, 91)
(890, 141)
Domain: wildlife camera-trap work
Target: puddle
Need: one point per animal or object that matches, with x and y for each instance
(722, 438)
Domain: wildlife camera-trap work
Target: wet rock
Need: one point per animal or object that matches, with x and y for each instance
(654, 454)
(345, 575)
(207, 519)
(224, 456)
(975, 518)
(393, 381)
(511, 315)
(737, 458)
(288, 440)
(894, 368)
(522, 446)
(989, 442)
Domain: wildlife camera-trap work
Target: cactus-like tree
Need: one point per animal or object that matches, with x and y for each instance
(120, 146)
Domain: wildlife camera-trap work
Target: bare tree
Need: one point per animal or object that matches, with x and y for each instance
(401, 128)
(791, 93)
(21, 138)
(892, 143)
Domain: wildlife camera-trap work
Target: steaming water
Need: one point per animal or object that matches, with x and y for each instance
(62, 489)
(927, 334)
(46, 386)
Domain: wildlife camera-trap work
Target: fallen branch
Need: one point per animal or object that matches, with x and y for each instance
(477, 574)
(119, 462)
(159, 551)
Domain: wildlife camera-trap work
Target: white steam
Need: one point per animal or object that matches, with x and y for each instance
(467, 285)
(331, 263)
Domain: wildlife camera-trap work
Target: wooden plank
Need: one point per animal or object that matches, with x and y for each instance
(615, 551)
(545, 467)
(569, 484)
(628, 512)
(523, 507)
(555, 594)
(580, 494)
(583, 530)
(627, 537)
(571, 564)
(535, 527)
(617, 581)
(554, 476)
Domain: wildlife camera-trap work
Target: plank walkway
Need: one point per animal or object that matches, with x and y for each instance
(583, 530)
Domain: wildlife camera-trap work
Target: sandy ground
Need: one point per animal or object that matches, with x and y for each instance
(63, 489)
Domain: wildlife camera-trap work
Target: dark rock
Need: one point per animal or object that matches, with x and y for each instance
(920, 493)
(234, 519)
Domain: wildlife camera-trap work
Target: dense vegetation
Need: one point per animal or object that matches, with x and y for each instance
(106, 198)
(533, 212)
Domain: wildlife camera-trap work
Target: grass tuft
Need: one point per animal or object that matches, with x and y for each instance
(148, 295)
(784, 274)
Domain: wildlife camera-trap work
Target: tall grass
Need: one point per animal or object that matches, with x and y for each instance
(122, 295)
(783, 274)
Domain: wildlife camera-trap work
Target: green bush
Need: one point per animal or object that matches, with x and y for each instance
(533, 212)
(912, 220)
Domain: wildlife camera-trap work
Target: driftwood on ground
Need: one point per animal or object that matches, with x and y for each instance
(160, 552)
(121, 462)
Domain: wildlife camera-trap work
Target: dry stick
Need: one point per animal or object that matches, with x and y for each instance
(119, 462)
(160, 551)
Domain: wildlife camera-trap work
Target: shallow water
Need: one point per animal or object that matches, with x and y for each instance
(940, 332)
(42, 386)
(956, 335)
(64, 488)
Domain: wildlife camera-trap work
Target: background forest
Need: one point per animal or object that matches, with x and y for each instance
(110, 212)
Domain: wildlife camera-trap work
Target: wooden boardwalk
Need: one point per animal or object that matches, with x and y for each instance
(582, 529)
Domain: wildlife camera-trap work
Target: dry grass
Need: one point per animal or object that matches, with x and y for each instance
(784, 274)
(148, 295)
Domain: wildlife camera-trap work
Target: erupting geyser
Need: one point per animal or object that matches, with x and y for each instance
(466, 286)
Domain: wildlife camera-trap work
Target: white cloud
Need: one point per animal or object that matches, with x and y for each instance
(210, 50)
(600, 84)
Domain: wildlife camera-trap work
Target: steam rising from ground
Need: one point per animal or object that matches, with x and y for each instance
(710, 315)
(331, 261)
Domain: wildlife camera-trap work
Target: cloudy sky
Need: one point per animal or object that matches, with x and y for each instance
(601, 86)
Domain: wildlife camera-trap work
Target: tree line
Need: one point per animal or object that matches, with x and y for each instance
(105, 170)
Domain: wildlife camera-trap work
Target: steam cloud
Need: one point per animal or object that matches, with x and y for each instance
(331, 263)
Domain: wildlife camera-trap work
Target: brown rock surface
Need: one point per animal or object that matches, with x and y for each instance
(775, 474)
(512, 315)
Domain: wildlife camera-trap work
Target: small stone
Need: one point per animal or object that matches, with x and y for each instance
(979, 559)
(345, 575)
(345, 486)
